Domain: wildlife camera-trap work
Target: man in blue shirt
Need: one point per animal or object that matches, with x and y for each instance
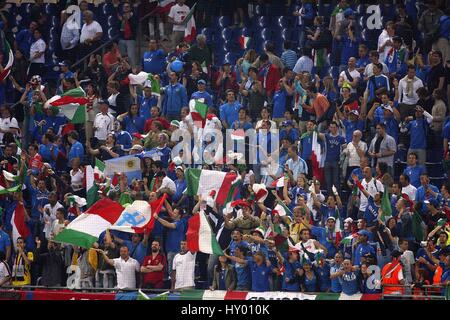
(175, 98)
(202, 94)
(229, 110)
(289, 132)
(413, 170)
(162, 150)
(349, 278)
(363, 248)
(154, 60)
(426, 191)
(292, 267)
(5, 242)
(351, 124)
(329, 236)
(48, 150)
(363, 58)
(147, 101)
(334, 144)
(175, 234)
(242, 266)
(418, 130)
(76, 149)
(335, 269)
(25, 38)
(375, 82)
(136, 247)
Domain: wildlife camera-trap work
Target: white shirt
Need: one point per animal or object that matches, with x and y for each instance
(37, 46)
(304, 63)
(168, 183)
(76, 180)
(126, 272)
(403, 92)
(411, 191)
(355, 74)
(384, 36)
(49, 219)
(353, 156)
(90, 30)
(4, 272)
(371, 189)
(103, 124)
(178, 13)
(184, 265)
(368, 71)
(57, 228)
(7, 123)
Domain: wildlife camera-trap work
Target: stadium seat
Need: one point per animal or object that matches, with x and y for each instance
(266, 34)
(208, 33)
(263, 22)
(50, 9)
(224, 21)
(227, 34)
(259, 10)
(108, 9)
(284, 22)
(286, 34)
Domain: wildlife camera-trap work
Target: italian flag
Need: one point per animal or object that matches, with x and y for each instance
(190, 31)
(198, 111)
(72, 104)
(204, 181)
(260, 191)
(4, 190)
(200, 237)
(87, 227)
(19, 226)
(142, 77)
(348, 240)
(244, 41)
(278, 183)
(99, 170)
(7, 69)
(317, 158)
(91, 187)
(10, 177)
(282, 210)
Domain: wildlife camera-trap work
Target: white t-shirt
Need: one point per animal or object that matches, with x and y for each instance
(372, 187)
(384, 36)
(178, 13)
(76, 180)
(368, 71)
(126, 272)
(90, 30)
(7, 123)
(353, 156)
(411, 191)
(184, 265)
(355, 74)
(49, 219)
(103, 124)
(37, 46)
(3, 271)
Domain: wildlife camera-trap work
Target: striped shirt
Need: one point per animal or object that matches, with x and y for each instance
(297, 167)
(289, 58)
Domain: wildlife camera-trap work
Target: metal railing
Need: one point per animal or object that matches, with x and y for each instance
(102, 47)
(427, 292)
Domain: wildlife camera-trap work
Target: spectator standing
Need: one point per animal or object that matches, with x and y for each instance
(418, 130)
(407, 88)
(153, 268)
(177, 14)
(382, 148)
(91, 34)
(183, 269)
(153, 60)
(25, 38)
(175, 98)
(37, 55)
(128, 32)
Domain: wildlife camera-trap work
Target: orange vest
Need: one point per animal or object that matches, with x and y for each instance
(391, 279)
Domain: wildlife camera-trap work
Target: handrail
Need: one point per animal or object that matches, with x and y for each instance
(93, 52)
(139, 33)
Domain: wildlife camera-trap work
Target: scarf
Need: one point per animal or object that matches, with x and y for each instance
(410, 85)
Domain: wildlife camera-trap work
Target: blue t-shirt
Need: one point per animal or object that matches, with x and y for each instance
(46, 153)
(376, 82)
(391, 127)
(137, 252)
(310, 284)
(350, 283)
(76, 151)
(154, 61)
(5, 241)
(38, 199)
(124, 140)
(180, 186)
(350, 127)
(243, 274)
(205, 95)
(414, 174)
(326, 238)
(361, 250)
(306, 144)
(362, 62)
(292, 135)
(418, 131)
(164, 153)
(289, 273)
(349, 49)
(323, 273)
(279, 103)
(336, 283)
(260, 276)
(145, 104)
(233, 245)
(371, 213)
(175, 236)
(229, 112)
(134, 124)
(334, 144)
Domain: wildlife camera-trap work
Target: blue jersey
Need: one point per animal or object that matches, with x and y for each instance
(154, 61)
(134, 124)
(5, 241)
(418, 130)
(279, 103)
(361, 250)
(290, 274)
(336, 283)
(414, 174)
(350, 283)
(145, 105)
(260, 276)
(306, 145)
(371, 213)
(350, 127)
(175, 236)
(243, 274)
(333, 148)
(323, 273)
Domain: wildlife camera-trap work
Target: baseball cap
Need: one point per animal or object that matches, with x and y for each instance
(175, 123)
(137, 147)
(355, 112)
(287, 123)
(364, 233)
(349, 12)
(388, 107)
(36, 79)
(331, 218)
(101, 101)
(348, 220)
(179, 168)
(64, 63)
(201, 81)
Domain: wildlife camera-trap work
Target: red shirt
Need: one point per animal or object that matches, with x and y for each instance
(154, 277)
(36, 162)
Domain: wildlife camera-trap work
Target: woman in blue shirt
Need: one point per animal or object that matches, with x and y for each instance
(310, 282)
(292, 268)
(242, 268)
(132, 120)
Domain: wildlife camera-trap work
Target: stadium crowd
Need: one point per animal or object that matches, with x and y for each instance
(379, 122)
